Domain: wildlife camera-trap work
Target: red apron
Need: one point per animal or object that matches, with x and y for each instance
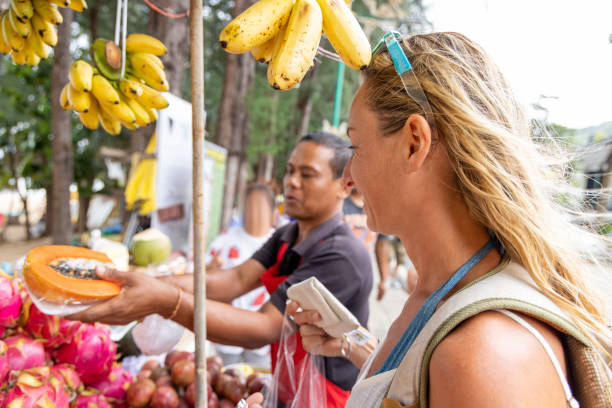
(336, 397)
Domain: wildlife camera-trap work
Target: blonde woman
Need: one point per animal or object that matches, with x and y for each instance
(444, 159)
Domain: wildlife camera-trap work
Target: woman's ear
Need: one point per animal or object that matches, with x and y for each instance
(416, 141)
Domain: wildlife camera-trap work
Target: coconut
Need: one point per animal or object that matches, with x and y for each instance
(150, 246)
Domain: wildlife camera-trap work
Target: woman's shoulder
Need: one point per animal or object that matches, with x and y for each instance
(491, 360)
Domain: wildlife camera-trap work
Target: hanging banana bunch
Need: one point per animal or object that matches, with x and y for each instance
(285, 34)
(28, 29)
(100, 96)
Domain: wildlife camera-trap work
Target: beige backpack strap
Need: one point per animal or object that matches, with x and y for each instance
(508, 287)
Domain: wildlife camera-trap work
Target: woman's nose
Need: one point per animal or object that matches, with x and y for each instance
(346, 174)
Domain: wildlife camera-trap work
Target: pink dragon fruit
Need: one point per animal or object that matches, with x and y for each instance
(24, 352)
(91, 352)
(70, 378)
(114, 387)
(10, 302)
(4, 367)
(54, 330)
(36, 388)
(90, 398)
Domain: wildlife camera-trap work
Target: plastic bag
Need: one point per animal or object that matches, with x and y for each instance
(156, 335)
(46, 306)
(298, 380)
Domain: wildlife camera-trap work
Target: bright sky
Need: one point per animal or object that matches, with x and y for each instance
(557, 48)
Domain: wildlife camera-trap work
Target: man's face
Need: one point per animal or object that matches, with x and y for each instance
(311, 190)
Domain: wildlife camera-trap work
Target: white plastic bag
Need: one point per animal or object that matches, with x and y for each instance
(295, 384)
(156, 335)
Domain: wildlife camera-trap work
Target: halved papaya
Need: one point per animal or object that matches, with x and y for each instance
(50, 274)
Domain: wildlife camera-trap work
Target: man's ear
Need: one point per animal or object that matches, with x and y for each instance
(416, 141)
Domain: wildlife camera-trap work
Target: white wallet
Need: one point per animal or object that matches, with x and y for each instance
(311, 294)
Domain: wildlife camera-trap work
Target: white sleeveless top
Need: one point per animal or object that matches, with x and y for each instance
(507, 287)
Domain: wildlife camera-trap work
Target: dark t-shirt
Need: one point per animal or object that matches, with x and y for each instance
(339, 261)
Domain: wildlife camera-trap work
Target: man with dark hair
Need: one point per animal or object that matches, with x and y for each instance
(319, 243)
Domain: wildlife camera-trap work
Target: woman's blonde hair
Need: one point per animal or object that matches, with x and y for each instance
(501, 174)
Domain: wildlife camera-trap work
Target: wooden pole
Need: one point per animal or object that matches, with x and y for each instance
(196, 28)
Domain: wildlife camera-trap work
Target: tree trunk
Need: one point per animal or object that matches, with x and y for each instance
(304, 102)
(265, 164)
(84, 201)
(232, 124)
(48, 211)
(24, 200)
(94, 12)
(62, 135)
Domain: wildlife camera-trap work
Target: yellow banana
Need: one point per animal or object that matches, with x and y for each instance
(156, 84)
(152, 112)
(263, 53)
(140, 114)
(345, 34)
(10, 36)
(31, 58)
(151, 98)
(22, 9)
(90, 118)
(121, 111)
(130, 88)
(294, 54)
(36, 44)
(81, 76)
(256, 25)
(143, 66)
(19, 57)
(5, 48)
(21, 27)
(108, 122)
(48, 11)
(64, 102)
(79, 100)
(45, 30)
(78, 5)
(144, 43)
(103, 90)
(131, 126)
(60, 3)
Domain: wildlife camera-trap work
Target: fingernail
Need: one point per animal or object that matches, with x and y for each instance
(100, 270)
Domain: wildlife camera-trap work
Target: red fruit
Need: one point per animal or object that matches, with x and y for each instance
(53, 330)
(235, 390)
(91, 352)
(24, 352)
(10, 302)
(183, 403)
(4, 367)
(214, 360)
(36, 388)
(175, 356)
(225, 403)
(164, 380)
(139, 394)
(165, 397)
(256, 384)
(213, 400)
(183, 373)
(90, 398)
(115, 386)
(143, 374)
(219, 385)
(190, 394)
(150, 365)
(159, 372)
(70, 378)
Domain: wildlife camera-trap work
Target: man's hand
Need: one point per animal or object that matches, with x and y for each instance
(141, 295)
(314, 339)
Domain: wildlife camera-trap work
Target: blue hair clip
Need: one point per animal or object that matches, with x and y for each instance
(404, 70)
